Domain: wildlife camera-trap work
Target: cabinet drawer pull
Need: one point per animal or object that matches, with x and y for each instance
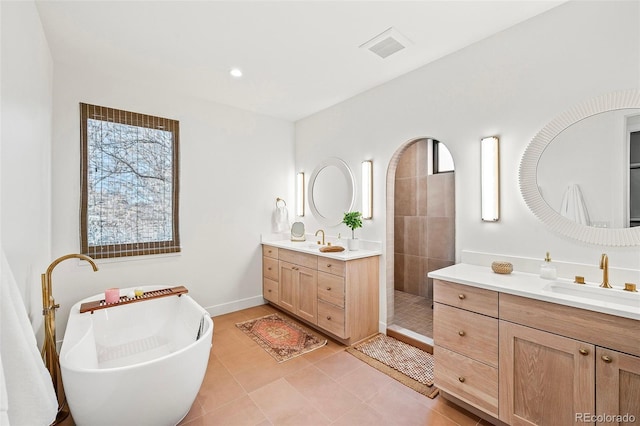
(584, 351)
(269, 268)
(328, 265)
(269, 251)
(461, 296)
(328, 288)
(461, 379)
(329, 317)
(606, 359)
(461, 333)
(269, 291)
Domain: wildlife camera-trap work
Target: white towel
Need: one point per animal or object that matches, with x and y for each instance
(280, 219)
(573, 206)
(30, 397)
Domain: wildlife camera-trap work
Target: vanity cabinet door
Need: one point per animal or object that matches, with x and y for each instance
(545, 379)
(298, 291)
(287, 287)
(307, 297)
(618, 387)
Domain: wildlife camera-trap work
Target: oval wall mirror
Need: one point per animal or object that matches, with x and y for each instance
(579, 176)
(331, 191)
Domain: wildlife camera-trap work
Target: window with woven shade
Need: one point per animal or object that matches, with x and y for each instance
(129, 183)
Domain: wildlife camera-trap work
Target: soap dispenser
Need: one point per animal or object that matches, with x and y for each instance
(547, 269)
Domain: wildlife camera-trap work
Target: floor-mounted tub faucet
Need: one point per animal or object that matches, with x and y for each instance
(49, 351)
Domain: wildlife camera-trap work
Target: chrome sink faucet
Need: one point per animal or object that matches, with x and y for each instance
(320, 230)
(604, 265)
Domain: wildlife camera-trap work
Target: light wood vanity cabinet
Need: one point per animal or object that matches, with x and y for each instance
(465, 334)
(338, 297)
(556, 364)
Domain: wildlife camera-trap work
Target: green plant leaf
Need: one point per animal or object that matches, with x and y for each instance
(353, 220)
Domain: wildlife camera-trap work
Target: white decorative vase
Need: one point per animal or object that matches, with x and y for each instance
(353, 244)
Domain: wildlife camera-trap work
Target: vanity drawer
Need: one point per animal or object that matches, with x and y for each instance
(331, 288)
(467, 379)
(467, 333)
(332, 266)
(466, 297)
(302, 259)
(270, 268)
(270, 251)
(270, 290)
(331, 318)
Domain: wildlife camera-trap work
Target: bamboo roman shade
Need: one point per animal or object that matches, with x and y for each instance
(129, 183)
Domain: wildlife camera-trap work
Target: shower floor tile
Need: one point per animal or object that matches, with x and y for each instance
(413, 312)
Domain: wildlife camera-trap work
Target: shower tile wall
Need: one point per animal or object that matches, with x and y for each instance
(424, 222)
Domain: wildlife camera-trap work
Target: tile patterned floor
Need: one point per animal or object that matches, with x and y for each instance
(246, 386)
(413, 312)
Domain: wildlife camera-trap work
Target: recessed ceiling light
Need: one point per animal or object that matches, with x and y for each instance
(236, 72)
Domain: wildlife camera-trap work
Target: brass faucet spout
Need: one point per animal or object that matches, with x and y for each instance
(49, 351)
(318, 231)
(604, 265)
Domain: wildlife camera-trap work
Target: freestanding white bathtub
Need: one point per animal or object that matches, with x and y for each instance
(137, 364)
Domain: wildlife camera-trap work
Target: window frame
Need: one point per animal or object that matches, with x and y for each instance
(436, 164)
(88, 111)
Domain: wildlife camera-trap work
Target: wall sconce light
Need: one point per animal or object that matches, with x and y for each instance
(367, 189)
(300, 194)
(490, 169)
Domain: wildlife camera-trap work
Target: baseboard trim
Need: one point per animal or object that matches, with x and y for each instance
(236, 305)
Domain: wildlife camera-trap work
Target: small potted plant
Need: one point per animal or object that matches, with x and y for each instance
(354, 221)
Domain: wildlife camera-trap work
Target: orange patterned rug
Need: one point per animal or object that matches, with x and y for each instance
(280, 337)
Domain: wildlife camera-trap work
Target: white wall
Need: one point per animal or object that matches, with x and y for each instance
(25, 149)
(509, 85)
(233, 166)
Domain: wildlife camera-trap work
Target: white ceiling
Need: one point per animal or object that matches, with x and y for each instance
(298, 57)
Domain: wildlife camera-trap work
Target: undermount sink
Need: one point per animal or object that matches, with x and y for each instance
(594, 293)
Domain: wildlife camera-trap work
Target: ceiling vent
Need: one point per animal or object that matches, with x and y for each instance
(387, 43)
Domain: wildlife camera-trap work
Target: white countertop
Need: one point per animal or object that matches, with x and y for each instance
(532, 286)
(313, 248)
